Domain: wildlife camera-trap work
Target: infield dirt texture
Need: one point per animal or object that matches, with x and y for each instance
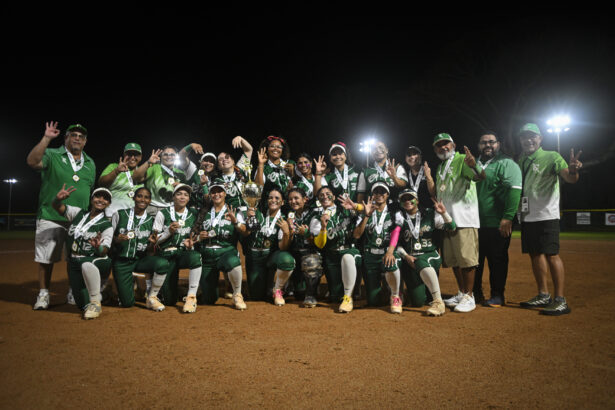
(291, 357)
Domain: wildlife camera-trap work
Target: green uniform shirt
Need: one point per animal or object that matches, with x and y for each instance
(499, 193)
(302, 242)
(371, 175)
(142, 228)
(377, 238)
(56, 171)
(160, 183)
(120, 189)
(456, 188)
(275, 175)
(335, 183)
(233, 185)
(540, 172)
(430, 221)
(266, 238)
(161, 225)
(225, 233)
(79, 236)
(339, 227)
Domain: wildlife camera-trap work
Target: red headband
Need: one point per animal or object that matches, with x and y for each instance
(273, 137)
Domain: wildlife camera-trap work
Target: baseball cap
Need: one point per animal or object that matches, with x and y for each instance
(182, 186)
(77, 127)
(443, 136)
(530, 127)
(217, 183)
(132, 146)
(381, 185)
(414, 148)
(209, 154)
(408, 191)
(102, 191)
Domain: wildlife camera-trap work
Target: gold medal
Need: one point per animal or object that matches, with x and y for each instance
(201, 172)
(181, 222)
(76, 178)
(74, 247)
(131, 194)
(442, 187)
(130, 234)
(417, 246)
(267, 243)
(211, 234)
(378, 241)
(291, 215)
(171, 181)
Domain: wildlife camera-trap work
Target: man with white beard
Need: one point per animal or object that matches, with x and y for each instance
(455, 186)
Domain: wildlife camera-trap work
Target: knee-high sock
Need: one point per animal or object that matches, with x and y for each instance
(234, 276)
(281, 277)
(194, 277)
(431, 281)
(349, 274)
(91, 277)
(157, 282)
(393, 281)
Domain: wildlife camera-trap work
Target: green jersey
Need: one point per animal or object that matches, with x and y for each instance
(138, 228)
(369, 176)
(83, 228)
(58, 170)
(159, 180)
(341, 182)
(223, 230)
(233, 185)
(164, 218)
(121, 189)
(456, 188)
(377, 234)
(302, 242)
(416, 236)
(269, 235)
(339, 227)
(540, 173)
(275, 176)
(499, 193)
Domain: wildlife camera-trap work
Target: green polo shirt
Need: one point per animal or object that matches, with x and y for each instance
(120, 189)
(158, 181)
(57, 171)
(499, 193)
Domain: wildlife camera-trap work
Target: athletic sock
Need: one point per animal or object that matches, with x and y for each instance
(148, 286)
(43, 292)
(281, 277)
(393, 281)
(194, 277)
(91, 277)
(349, 274)
(157, 283)
(234, 277)
(431, 281)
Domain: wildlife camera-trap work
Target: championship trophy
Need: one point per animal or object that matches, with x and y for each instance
(251, 193)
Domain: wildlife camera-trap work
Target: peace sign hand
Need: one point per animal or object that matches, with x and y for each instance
(262, 156)
(574, 164)
(51, 130)
(320, 166)
(155, 157)
(391, 168)
(231, 215)
(64, 192)
(122, 166)
(469, 159)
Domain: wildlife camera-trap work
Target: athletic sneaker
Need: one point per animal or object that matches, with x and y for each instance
(278, 299)
(190, 304)
(540, 300)
(154, 303)
(454, 301)
(310, 302)
(556, 308)
(92, 310)
(70, 299)
(42, 301)
(495, 301)
(238, 302)
(396, 305)
(436, 308)
(466, 304)
(347, 305)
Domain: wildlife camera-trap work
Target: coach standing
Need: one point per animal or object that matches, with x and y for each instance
(540, 216)
(498, 200)
(68, 165)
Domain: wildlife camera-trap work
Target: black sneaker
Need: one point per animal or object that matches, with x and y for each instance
(540, 300)
(556, 308)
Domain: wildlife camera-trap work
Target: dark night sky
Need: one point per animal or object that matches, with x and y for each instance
(403, 79)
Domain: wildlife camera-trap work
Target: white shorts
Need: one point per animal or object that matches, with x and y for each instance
(49, 240)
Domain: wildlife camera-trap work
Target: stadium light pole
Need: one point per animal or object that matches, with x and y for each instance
(10, 181)
(366, 147)
(558, 125)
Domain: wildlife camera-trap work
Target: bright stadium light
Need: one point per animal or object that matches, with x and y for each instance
(366, 147)
(558, 125)
(10, 181)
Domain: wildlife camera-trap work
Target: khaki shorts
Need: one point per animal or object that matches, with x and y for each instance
(49, 240)
(460, 248)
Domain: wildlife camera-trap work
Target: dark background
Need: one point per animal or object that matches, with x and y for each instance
(403, 79)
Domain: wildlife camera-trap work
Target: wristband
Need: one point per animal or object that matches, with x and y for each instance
(188, 148)
(358, 207)
(447, 218)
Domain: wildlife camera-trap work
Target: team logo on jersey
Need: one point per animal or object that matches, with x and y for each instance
(536, 168)
(372, 178)
(273, 177)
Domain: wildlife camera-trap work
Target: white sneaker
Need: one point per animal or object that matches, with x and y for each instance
(278, 298)
(70, 299)
(239, 302)
(154, 304)
(466, 304)
(92, 310)
(454, 301)
(42, 301)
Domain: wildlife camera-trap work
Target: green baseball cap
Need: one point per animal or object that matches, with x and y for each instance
(77, 127)
(530, 127)
(443, 136)
(133, 146)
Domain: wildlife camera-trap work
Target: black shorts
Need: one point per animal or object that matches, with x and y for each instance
(540, 237)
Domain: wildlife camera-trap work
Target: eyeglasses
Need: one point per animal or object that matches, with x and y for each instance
(169, 154)
(488, 142)
(132, 154)
(77, 135)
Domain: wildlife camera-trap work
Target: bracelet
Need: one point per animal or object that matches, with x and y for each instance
(358, 207)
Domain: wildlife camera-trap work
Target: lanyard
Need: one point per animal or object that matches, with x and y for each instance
(80, 229)
(131, 218)
(215, 219)
(414, 229)
(269, 227)
(343, 181)
(76, 167)
(415, 185)
(380, 222)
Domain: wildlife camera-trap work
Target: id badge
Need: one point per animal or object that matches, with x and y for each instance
(525, 204)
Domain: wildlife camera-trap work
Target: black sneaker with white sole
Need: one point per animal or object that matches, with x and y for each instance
(540, 300)
(556, 308)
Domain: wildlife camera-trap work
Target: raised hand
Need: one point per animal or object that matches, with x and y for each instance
(469, 159)
(203, 235)
(155, 157)
(369, 207)
(346, 202)
(231, 215)
(64, 192)
(262, 156)
(438, 206)
(283, 225)
(237, 142)
(320, 166)
(197, 148)
(95, 241)
(574, 164)
(392, 168)
(426, 170)
(51, 130)
(122, 166)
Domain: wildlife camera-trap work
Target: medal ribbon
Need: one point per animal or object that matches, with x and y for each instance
(307, 183)
(380, 222)
(415, 185)
(80, 229)
(343, 181)
(167, 170)
(381, 173)
(486, 164)
(442, 174)
(414, 229)
(215, 219)
(182, 216)
(131, 217)
(76, 167)
(270, 226)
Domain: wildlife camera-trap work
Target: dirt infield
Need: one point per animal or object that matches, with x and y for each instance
(291, 357)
